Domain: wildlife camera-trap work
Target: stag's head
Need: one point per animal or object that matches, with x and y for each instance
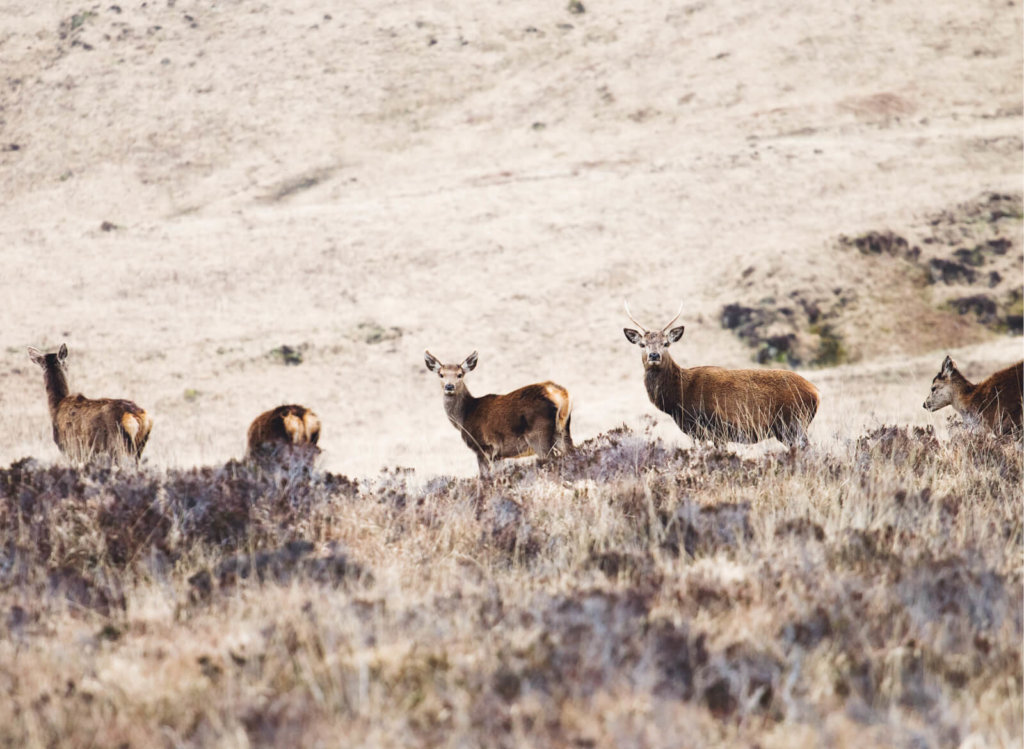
(451, 374)
(943, 386)
(653, 343)
(50, 361)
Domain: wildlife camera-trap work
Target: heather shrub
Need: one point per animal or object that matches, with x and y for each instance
(739, 599)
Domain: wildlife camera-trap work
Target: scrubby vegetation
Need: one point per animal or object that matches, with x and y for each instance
(963, 262)
(632, 595)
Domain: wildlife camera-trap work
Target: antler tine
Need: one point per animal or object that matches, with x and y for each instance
(630, 315)
(673, 319)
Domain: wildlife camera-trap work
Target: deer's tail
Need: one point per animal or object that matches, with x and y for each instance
(136, 426)
(559, 397)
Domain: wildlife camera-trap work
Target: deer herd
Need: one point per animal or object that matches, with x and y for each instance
(707, 403)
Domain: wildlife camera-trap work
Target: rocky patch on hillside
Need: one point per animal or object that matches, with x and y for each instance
(797, 330)
(965, 262)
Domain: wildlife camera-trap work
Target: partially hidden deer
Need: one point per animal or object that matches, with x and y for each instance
(284, 433)
(995, 402)
(86, 429)
(533, 420)
(723, 405)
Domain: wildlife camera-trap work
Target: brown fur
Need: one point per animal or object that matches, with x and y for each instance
(996, 402)
(280, 429)
(85, 428)
(726, 405)
(533, 420)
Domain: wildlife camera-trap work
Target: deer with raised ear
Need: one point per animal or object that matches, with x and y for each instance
(88, 428)
(284, 434)
(533, 420)
(723, 405)
(996, 402)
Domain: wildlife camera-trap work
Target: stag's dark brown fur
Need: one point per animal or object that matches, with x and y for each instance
(87, 428)
(734, 405)
(725, 405)
(293, 429)
(996, 402)
(533, 420)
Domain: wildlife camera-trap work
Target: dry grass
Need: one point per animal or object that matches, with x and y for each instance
(865, 596)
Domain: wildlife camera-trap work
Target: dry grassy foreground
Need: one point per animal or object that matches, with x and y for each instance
(638, 595)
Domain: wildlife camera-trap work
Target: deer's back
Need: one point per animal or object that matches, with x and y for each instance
(751, 397)
(999, 400)
(529, 402)
(100, 425)
(502, 421)
(290, 424)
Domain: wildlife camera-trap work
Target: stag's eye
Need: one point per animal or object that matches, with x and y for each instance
(643, 345)
(459, 375)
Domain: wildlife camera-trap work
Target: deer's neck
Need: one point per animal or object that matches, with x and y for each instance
(963, 393)
(56, 388)
(460, 406)
(665, 384)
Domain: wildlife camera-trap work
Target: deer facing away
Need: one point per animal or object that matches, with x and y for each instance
(87, 428)
(724, 405)
(533, 420)
(996, 402)
(283, 433)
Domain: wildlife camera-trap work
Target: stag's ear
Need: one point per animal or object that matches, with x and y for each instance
(37, 356)
(676, 333)
(432, 364)
(948, 366)
(470, 364)
(633, 336)
(62, 354)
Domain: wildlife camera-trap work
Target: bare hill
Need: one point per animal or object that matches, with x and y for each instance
(190, 186)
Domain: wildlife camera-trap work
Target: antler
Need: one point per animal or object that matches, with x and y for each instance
(673, 319)
(630, 315)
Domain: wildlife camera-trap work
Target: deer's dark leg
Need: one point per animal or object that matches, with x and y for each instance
(542, 438)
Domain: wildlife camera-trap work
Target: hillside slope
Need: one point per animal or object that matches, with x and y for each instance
(361, 185)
